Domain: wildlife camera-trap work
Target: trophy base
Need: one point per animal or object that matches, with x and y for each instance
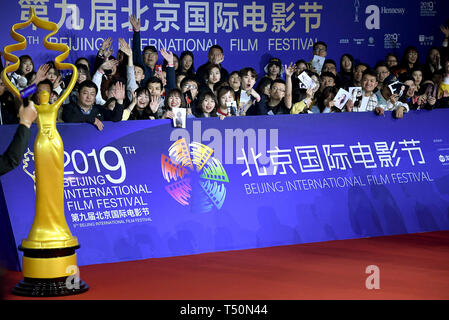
(30, 287)
(49, 273)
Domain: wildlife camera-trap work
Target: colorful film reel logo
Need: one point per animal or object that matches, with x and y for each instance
(196, 178)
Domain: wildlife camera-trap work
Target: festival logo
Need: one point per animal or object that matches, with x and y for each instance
(428, 9)
(196, 178)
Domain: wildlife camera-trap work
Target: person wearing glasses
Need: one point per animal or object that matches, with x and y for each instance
(189, 88)
(382, 72)
(280, 100)
(320, 49)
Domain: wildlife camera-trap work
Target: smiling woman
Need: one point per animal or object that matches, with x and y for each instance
(207, 105)
(213, 75)
(174, 99)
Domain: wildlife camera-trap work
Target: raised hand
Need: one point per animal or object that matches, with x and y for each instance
(58, 82)
(41, 73)
(219, 59)
(119, 92)
(290, 69)
(154, 104)
(135, 23)
(107, 53)
(124, 46)
(106, 43)
(445, 31)
(168, 55)
(108, 65)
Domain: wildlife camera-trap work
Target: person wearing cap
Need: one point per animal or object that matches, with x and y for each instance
(274, 69)
(148, 58)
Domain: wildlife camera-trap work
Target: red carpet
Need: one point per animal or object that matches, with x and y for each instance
(414, 266)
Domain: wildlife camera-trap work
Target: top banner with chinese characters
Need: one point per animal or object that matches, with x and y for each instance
(143, 189)
(250, 31)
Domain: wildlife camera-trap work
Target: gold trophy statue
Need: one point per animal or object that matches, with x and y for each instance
(49, 258)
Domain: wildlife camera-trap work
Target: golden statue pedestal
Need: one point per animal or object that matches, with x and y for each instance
(44, 272)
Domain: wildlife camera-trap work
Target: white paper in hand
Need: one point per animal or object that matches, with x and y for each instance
(307, 81)
(179, 119)
(317, 63)
(356, 95)
(341, 98)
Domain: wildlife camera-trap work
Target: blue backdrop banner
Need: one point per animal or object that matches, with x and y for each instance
(143, 189)
(250, 32)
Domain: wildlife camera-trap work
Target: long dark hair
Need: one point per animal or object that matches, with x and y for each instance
(199, 113)
(263, 83)
(404, 61)
(146, 112)
(22, 59)
(327, 92)
(351, 58)
(191, 70)
(221, 92)
(172, 92)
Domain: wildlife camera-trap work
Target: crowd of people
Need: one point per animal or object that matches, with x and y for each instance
(133, 86)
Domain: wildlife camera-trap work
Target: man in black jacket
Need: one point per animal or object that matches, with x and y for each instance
(215, 56)
(11, 158)
(87, 111)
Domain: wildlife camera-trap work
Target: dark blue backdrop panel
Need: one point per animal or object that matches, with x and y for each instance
(250, 32)
(143, 189)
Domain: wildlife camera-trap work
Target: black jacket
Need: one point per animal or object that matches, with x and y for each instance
(11, 158)
(72, 113)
